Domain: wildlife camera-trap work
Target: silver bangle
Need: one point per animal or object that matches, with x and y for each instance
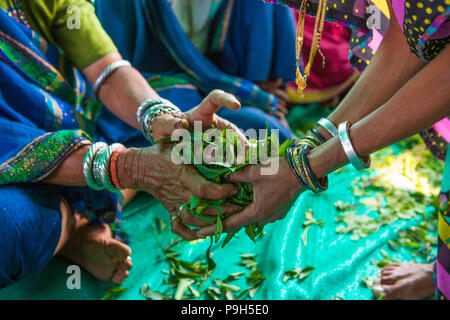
(355, 160)
(88, 165)
(329, 126)
(106, 73)
(151, 109)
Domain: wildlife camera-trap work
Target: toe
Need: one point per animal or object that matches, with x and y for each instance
(393, 292)
(388, 279)
(120, 275)
(126, 264)
(118, 250)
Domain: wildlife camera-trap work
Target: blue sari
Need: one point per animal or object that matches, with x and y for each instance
(46, 113)
(243, 49)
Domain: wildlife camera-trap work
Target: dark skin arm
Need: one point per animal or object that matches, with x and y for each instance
(418, 103)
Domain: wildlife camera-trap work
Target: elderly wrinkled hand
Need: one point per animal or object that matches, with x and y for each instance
(152, 169)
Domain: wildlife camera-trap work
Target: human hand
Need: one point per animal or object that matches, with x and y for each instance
(164, 125)
(152, 170)
(274, 195)
(274, 87)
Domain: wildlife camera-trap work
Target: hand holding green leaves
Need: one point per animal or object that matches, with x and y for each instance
(270, 201)
(152, 170)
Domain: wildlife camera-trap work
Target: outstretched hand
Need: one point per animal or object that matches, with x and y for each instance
(164, 125)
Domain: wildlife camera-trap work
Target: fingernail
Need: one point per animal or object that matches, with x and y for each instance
(177, 124)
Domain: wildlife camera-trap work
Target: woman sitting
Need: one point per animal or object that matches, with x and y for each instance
(47, 129)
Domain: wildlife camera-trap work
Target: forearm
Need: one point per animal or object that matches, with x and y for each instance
(421, 102)
(391, 67)
(70, 171)
(124, 91)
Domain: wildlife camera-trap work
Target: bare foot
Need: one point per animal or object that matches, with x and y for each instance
(92, 247)
(406, 281)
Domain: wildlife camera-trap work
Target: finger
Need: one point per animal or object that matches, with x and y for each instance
(243, 218)
(282, 95)
(223, 124)
(220, 99)
(164, 125)
(204, 189)
(210, 211)
(248, 174)
(189, 220)
(214, 101)
(283, 109)
(183, 231)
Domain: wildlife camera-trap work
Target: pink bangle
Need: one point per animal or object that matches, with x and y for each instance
(113, 168)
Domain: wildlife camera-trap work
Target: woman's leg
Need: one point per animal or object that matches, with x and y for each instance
(30, 230)
(36, 224)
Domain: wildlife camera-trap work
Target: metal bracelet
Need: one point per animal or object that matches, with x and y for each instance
(88, 170)
(106, 73)
(355, 160)
(105, 166)
(151, 109)
(329, 126)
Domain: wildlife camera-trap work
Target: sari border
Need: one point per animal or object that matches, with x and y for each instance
(41, 156)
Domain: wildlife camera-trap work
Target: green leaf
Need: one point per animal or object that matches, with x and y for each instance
(113, 292)
(153, 295)
(283, 148)
(218, 230)
(183, 286)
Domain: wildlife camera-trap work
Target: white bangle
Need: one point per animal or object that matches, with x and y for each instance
(355, 160)
(329, 126)
(106, 73)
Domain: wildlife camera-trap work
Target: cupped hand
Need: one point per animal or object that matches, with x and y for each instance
(152, 170)
(273, 197)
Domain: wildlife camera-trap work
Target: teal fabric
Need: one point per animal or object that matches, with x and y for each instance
(340, 262)
(446, 177)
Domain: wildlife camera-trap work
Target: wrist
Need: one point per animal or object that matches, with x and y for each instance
(128, 168)
(327, 158)
(289, 176)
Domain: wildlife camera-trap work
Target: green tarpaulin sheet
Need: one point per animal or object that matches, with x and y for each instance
(339, 262)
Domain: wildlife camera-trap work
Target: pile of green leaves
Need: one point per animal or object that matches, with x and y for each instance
(185, 280)
(406, 186)
(218, 172)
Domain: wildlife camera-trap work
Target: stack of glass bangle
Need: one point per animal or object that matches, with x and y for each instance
(298, 156)
(149, 110)
(298, 161)
(96, 166)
